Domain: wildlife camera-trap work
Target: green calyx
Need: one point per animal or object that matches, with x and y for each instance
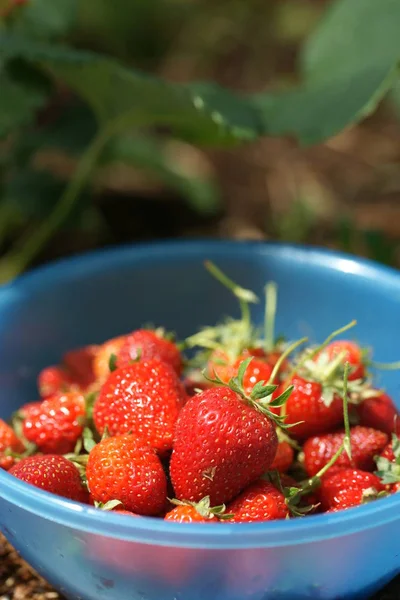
(204, 508)
(389, 470)
(112, 362)
(261, 394)
(108, 506)
(315, 364)
(233, 336)
(371, 494)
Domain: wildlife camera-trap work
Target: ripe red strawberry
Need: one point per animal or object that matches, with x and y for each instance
(8, 441)
(54, 380)
(220, 365)
(29, 409)
(348, 487)
(101, 362)
(52, 473)
(222, 444)
(143, 398)
(149, 345)
(261, 501)
(57, 424)
(314, 412)
(365, 444)
(378, 412)
(283, 458)
(120, 468)
(195, 512)
(353, 354)
(80, 364)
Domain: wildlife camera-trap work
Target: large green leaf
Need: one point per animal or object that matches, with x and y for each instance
(156, 158)
(22, 92)
(353, 36)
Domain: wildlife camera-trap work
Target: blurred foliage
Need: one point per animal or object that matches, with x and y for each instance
(89, 86)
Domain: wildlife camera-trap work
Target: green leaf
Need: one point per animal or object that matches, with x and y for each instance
(353, 37)
(112, 362)
(45, 18)
(207, 113)
(156, 158)
(23, 92)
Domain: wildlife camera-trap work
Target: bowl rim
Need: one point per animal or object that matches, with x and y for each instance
(221, 535)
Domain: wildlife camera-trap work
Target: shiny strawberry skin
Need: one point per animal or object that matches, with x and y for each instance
(221, 445)
(54, 380)
(283, 458)
(378, 412)
(353, 356)
(101, 362)
(261, 501)
(57, 424)
(52, 473)
(143, 398)
(346, 487)
(150, 346)
(30, 409)
(306, 404)
(8, 441)
(79, 364)
(187, 514)
(365, 444)
(120, 468)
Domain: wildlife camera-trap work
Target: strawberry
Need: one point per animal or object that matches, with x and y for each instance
(101, 362)
(351, 352)
(79, 364)
(261, 501)
(29, 409)
(54, 380)
(52, 473)
(120, 468)
(192, 512)
(8, 441)
(365, 443)
(309, 411)
(223, 442)
(144, 398)
(149, 345)
(258, 369)
(378, 412)
(348, 487)
(283, 458)
(57, 424)
(388, 464)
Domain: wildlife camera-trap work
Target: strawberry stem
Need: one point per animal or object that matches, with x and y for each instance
(271, 295)
(333, 335)
(347, 438)
(284, 356)
(394, 366)
(244, 296)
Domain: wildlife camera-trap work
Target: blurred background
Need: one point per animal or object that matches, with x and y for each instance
(295, 137)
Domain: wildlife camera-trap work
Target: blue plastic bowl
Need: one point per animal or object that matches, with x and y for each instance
(90, 555)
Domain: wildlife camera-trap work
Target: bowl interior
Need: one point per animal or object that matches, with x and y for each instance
(94, 297)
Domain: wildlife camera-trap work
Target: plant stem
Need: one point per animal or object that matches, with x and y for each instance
(13, 263)
(244, 296)
(271, 293)
(284, 356)
(332, 336)
(347, 438)
(394, 366)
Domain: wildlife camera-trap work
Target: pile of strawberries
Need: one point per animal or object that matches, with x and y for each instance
(230, 425)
